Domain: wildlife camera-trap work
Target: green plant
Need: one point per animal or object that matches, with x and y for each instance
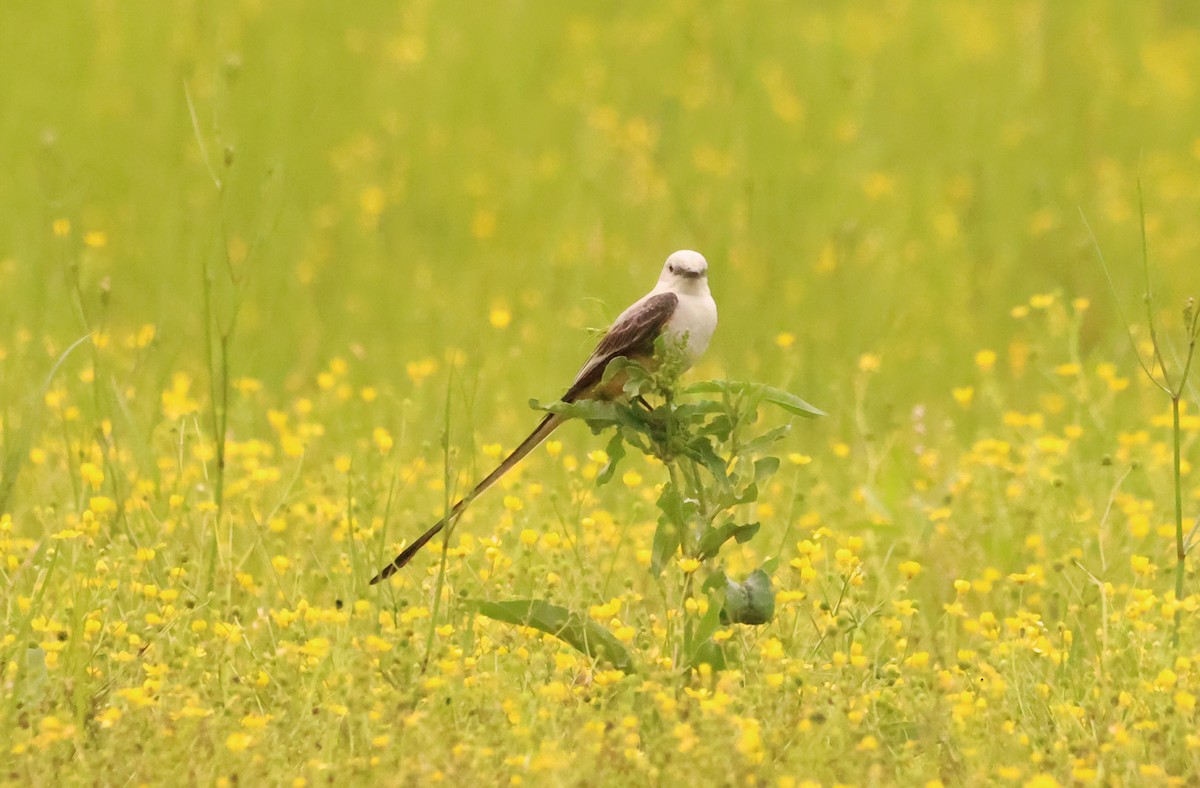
(1173, 384)
(717, 460)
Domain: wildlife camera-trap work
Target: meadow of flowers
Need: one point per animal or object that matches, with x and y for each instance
(279, 281)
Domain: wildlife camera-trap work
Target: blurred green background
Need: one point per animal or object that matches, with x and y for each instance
(886, 177)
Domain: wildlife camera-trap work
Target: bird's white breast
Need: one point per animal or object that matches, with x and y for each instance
(694, 321)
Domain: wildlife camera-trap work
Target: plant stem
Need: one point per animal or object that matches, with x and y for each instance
(1180, 548)
(446, 496)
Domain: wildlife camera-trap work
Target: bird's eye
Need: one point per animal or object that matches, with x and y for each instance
(672, 268)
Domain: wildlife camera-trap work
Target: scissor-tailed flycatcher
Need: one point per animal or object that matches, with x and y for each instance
(680, 306)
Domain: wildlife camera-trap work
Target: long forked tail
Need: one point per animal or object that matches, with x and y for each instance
(539, 434)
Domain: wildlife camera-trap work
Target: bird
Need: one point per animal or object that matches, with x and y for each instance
(680, 308)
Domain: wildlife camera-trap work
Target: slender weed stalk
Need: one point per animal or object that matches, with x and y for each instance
(218, 336)
(18, 440)
(1171, 383)
(448, 471)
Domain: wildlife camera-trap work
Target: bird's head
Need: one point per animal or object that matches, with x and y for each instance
(684, 271)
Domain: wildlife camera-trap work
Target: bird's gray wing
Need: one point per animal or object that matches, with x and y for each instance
(633, 335)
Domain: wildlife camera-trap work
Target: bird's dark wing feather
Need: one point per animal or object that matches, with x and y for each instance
(633, 335)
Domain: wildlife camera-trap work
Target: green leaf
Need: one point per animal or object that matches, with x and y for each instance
(751, 601)
(676, 514)
(712, 541)
(777, 397)
(764, 468)
(585, 636)
(702, 649)
(599, 414)
(701, 450)
(719, 427)
(708, 652)
(667, 538)
(791, 403)
(615, 452)
(733, 498)
(637, 378)
(763, 442)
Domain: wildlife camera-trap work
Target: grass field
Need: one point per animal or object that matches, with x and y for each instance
(336, 248)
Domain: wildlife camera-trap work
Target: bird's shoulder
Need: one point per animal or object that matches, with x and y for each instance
(641, 322)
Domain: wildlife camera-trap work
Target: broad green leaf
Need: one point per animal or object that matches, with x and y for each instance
(600, 414)
(714, 583)
(712, 617)
(712, 541)
(615, 452)
(778, 397)
(676, 514)
(585, 636)
(764, 468)
(702, 649)
(697, 412)
(751, 601)
(708, 653)
(719, 427)
(791, 403)
(766, 440)
(733, 498)
(701, 450)
(667, 538)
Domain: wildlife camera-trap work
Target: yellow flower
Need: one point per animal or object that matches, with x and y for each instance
(372, 201)
(785, 339)
(256, 721)
(868, 744)
(910, 569)
(529, 537)
(376, 645)
(918, 660)
(91, 475)
(985, 360)
(383, 440)
(868, 362)
(795, 458)
(145, 335)
(95, 239)
(632, 478)
(963, 395)
(499, 317)
(483, 224)
(688, 565)
(238, 741)
(61, 227)
(1141, 566)
(316, 647)
(606, 611)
